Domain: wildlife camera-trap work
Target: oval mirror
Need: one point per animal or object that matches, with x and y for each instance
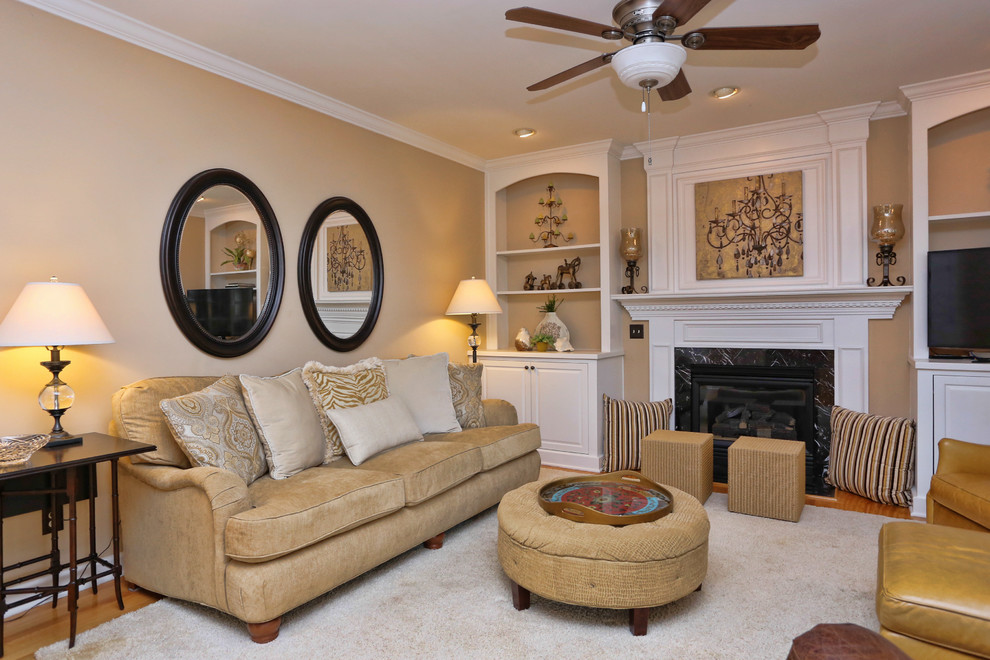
(340, 274)
(222, 262)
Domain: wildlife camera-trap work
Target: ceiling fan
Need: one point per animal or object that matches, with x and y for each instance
(653, 61)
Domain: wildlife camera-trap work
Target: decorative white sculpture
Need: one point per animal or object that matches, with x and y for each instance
(563, 345)
(522, 340)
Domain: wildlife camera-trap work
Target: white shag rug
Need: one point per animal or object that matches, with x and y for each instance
(768, 581)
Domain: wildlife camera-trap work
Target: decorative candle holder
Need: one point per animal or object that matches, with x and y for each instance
(887, 229)
(631, 249)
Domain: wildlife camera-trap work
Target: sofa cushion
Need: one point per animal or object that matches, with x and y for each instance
(465, 387)
(136, 416)
(343, 387)
(213, 428)
(872, 456)
(311, 506)
(966, 494)
(497, 444)
(423, 384)
(931, 585)
(369, 429)
(426, 468)
(287, 422)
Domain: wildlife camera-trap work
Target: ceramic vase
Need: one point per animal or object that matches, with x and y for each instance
(553, 326)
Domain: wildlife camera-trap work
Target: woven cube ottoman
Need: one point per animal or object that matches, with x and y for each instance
(633, 567)
(766, 477)
(680, 459)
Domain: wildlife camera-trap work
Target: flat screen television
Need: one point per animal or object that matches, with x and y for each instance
(959, 299)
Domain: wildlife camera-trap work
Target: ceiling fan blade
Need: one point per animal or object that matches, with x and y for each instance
(561, 22)
(677, 88)
(573, 72)
(772, 37)
(681, 10)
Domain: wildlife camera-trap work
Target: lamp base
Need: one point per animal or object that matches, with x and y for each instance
(64, 441)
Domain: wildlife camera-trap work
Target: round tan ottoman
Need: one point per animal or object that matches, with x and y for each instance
(633, 567)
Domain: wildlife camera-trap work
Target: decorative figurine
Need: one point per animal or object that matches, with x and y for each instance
(563, 345)
(569, 268)
(530, 283)
(522, 340)
(546, 283)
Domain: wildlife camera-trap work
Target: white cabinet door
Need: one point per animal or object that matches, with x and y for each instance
(962, 408)
(560, 405)
(509, 380)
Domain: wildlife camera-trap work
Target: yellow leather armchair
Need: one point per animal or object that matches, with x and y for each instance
(960, 488)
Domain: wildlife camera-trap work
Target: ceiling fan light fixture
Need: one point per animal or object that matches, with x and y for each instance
(723, 93)
(524, 132)
(656, 61)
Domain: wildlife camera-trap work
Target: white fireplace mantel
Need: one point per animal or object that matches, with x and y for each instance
(836, 320)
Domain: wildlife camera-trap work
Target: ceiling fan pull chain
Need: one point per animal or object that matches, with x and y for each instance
(649, 126)
(642, 107)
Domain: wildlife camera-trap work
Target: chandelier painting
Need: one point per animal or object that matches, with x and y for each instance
(750, 227)
(346, 259)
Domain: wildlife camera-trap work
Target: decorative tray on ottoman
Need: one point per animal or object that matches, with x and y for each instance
(615, 498)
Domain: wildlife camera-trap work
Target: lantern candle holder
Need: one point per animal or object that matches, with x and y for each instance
(887, 229)
(631, 249)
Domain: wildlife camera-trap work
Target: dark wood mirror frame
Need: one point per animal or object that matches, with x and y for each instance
(306, 294)
(169, 263)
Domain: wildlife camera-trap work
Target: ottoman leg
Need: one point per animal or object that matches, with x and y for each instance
(520, 597)
(638, 617)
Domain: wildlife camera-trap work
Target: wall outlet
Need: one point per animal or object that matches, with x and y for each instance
(635, 330)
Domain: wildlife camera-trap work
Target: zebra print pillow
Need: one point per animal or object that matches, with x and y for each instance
(343, 387)
(872, 456)
(625, 424)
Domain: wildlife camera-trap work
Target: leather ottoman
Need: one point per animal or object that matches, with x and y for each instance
(843, 641)
(933, 599)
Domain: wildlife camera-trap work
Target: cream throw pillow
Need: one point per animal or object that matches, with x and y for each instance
(286, 420)
(424, 386)
(373, 428)
(343, 387)
(213, 429)
(465, 386)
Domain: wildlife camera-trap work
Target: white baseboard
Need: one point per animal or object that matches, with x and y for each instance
(563, 459)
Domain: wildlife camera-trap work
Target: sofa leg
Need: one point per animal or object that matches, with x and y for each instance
(435, 543)
(262, 633)
(638, 619)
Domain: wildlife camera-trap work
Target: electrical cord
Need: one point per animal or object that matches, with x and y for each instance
(80, 577)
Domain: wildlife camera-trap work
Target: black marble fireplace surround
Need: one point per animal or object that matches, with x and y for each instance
(821, 362)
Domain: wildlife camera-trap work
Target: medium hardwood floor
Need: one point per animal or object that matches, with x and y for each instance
(43, 625)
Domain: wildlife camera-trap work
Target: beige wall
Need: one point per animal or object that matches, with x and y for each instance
(97, 137)
(887, 163)
(636, 365)
(888, 181)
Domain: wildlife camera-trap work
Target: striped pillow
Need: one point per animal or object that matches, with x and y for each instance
(872, 456)
(625, 424)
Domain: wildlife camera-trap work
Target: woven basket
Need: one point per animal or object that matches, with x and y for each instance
(15, 449)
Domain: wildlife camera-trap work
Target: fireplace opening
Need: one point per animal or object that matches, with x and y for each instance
(731, 401)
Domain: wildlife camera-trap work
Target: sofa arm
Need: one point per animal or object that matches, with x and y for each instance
(958, 456)
(500, 413)
(173, 526)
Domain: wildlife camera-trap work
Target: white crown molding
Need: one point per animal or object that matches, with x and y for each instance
(598, 148)
(888, 110)
(941, 87)
(141, 34)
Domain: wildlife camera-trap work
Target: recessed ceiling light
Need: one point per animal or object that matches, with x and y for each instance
(725, 92)
(524, 132)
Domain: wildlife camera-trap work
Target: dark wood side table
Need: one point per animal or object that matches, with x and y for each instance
(49, 479)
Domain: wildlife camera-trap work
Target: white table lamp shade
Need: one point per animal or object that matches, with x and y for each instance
(53, 314)
(473, 297)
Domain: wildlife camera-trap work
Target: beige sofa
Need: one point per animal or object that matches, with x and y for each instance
(257, 551)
